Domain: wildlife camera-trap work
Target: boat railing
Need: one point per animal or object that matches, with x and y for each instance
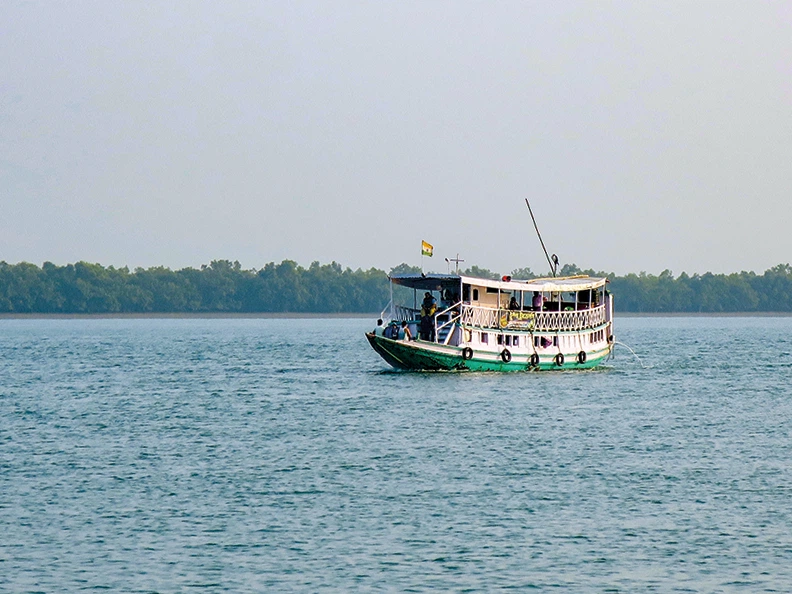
(547, 321)
(405, 314)
(576, 319)
(440, 323)
(474, 315)
(386, 311)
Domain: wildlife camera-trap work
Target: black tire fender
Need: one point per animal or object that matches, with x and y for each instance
(581, 357)
(535, 360)
(467, 353)
(505, 355)
(559, 359)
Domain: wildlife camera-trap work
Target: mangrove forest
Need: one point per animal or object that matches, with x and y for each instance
(287, 287)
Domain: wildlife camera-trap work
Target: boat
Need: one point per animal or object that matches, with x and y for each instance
(468, 323)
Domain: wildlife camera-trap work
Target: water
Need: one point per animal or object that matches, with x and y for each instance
(250, 455)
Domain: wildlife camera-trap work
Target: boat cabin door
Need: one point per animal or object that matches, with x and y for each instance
(470, 294)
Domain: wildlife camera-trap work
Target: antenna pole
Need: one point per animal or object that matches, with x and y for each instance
(539, 235)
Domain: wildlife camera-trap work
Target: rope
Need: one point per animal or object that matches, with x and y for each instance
(633, 352)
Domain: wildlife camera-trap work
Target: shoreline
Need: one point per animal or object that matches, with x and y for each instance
(690, 314)
(297, 316)
(186, 315)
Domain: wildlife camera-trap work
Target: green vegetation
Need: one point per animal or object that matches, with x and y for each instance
(705, 293)
(224, 286)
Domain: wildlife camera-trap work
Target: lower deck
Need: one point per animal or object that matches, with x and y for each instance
(426, 355)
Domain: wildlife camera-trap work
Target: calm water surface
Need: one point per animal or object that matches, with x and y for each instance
(251, 455)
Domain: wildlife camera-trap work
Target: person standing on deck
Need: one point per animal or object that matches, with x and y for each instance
(537, 301)
(428, 309)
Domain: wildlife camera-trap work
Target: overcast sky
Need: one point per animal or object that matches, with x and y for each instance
(646, 135)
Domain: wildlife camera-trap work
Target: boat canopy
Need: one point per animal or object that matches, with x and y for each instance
(559, 284)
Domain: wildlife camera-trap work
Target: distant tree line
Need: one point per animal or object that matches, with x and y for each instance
(701, 293)
(223, 286)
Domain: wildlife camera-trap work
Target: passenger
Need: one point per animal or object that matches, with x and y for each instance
(428, 309)
(406, 330)
(513, 305)
(380, 329)
(429, 305)
(392, 331)
(455, 300)
(427, 328)
(537, 301)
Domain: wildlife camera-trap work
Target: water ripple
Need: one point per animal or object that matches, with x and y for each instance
(271, 455)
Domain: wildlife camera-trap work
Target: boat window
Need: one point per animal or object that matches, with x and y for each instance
(475, 295)
(500, 338)
(516, 341)
(465, 292)
(484, 338)
(491, 290)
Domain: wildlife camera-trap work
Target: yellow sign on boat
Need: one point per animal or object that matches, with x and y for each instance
(518, 320)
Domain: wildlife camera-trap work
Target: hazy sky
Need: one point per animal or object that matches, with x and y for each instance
(646, 135)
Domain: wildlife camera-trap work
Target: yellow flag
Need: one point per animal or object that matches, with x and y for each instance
(426, 249)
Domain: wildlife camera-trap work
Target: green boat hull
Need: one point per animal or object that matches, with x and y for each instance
(419, 355)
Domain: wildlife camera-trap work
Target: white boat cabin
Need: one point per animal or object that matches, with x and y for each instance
(531, 315)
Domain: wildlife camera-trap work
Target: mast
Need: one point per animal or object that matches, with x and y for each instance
(554, 262)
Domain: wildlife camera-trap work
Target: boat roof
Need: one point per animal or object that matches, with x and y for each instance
(435, 282)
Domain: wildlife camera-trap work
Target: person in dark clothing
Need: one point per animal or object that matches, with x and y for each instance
(428, 309)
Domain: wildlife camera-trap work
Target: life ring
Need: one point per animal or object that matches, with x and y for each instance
(559, 359)
(581, 357)
(467, 353)
(535, 360)
(505, 355)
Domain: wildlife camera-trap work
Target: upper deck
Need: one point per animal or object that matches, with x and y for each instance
(439, 282)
